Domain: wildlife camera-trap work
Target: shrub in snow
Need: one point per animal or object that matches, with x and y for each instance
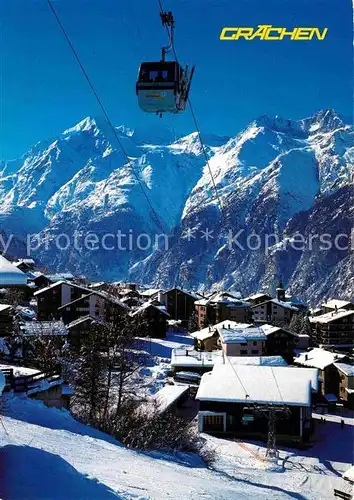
(151, 429)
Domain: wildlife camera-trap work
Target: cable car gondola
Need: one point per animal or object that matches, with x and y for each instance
(163, 86)
(247, 414)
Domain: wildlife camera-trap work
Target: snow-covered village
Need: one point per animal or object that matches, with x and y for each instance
(123, 391)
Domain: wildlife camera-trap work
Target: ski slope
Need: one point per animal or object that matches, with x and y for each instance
(46, 455)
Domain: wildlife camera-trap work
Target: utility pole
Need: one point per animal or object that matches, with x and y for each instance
(271, 443)
(272, 413)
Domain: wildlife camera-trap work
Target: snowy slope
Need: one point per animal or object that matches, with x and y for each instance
(57, 458)
(272, 176)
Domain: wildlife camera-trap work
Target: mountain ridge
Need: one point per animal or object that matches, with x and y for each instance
(266, 177)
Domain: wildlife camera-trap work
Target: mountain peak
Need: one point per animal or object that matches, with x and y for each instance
(325, 120)
(88, 124)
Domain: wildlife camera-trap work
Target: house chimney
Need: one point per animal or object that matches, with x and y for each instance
(336, 308)
(306, 357)
(229, 326)
(280, 291)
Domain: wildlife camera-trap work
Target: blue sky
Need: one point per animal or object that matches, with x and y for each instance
(43, 91)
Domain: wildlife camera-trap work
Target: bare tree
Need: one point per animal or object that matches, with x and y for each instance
(122, 359)
(90, 379)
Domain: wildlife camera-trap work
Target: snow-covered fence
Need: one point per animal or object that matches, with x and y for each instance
(25, 383)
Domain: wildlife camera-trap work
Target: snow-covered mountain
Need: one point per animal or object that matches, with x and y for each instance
(277, 176)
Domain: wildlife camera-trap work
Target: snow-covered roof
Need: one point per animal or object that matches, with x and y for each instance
(174, 322)
(150, 292)
(183, 291)
(83, 319)
(280, 303)
(59, 283)
(256, 296)
(191, 358)
(254, 360)
(227, 298)
(316, 310)
(10, 275)
(29, 262)
(331, 316)
(240, 335)
(349, 474)
(346, 368)
(146, 305)
(168, 395)
(204, 333)
(110, 298)
(59, 276)
(269, 329)
(19, 370)
(89, 293)
(202, 302)
(259, 384)
(318, 358)
(4, 307)
(43, 328)
(335, 303)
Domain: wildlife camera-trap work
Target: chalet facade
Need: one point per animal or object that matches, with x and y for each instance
(97, 304)
(206, 339)
(235, 400)
(334, 328)
(130, 296)
(241, 340)
(51, 298)
(281, 341)
(179, 303)
(220, 307)
(328, 375)
(155, 316)
(273, 310)
(78, 329)
(346, 383)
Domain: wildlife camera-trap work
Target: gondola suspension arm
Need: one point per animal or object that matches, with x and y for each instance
(168, 21)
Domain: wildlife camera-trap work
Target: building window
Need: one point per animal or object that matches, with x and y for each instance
(243, 352)
(255, 342)
(213, 419)
(254, 351)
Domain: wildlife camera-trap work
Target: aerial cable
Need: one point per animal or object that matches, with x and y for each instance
(103, 109)
(217, 196)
